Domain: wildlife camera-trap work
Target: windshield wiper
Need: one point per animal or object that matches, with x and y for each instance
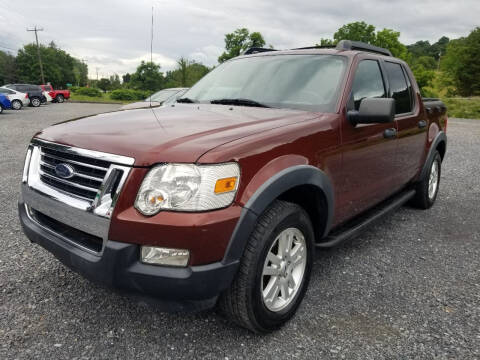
(241, 102)
(186, 100)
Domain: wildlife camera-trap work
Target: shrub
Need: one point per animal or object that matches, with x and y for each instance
(129, 94)
(91, 92)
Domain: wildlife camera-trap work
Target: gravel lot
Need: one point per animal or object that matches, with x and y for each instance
(407, 288)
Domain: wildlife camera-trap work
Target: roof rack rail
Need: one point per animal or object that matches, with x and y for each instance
(358, 45)
(315, 47)
(255, 50)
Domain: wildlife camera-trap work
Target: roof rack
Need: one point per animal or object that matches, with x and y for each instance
(358, 45)
(255, 50)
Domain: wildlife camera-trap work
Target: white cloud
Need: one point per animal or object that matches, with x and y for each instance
(114, 36)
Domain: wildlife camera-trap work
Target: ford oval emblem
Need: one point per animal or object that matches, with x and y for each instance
(64, 171)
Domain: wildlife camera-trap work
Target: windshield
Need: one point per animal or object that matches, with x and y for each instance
(162, 95)
(306, 82)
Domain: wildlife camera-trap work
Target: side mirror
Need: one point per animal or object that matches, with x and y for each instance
(373, 110)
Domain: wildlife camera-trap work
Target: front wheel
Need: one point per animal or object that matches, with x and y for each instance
(16, 104)
(60, 98)
(427, 188)
(35, 102)
(274, 271)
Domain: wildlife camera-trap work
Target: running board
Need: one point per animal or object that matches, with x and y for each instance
(348, 232)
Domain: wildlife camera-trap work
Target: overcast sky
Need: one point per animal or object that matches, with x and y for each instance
(114, 36)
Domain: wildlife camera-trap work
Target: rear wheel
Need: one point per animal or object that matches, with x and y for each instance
(427, 188)
(35, 102)
(60, 98)
(1, 109)
(274, 271)
(16, 104)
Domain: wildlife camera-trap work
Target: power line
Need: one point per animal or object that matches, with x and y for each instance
(6, 47)
(36, 30)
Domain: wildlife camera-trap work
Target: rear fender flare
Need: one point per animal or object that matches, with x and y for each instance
(431, 152)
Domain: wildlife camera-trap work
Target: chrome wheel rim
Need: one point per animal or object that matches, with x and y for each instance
(35, 102)
(433, 180)
(16, 105)
(283, 269)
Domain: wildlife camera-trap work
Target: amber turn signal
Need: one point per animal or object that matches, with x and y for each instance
(225, 185)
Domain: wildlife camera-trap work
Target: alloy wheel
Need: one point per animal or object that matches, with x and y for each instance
(284, 269)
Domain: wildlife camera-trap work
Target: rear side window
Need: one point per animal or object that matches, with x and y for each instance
(368, 82)
(399, 89)
(6, 91)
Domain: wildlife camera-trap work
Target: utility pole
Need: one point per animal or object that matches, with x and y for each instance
(36, 30)
(97, 72)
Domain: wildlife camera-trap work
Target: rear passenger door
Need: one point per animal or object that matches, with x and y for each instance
(368, 150)
(411, 125)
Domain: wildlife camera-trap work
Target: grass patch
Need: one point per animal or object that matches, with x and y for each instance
(468, 108)
(103, 98)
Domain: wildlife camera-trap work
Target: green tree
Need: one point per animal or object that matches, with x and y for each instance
(186, 74)
(239, 41)
(104, 84)
(58, 66)
(80, 71)
(356, 31)
(388, 39)
(8, 71)
(460, 65)
(126, 79)
(147, 77)
(115, 82)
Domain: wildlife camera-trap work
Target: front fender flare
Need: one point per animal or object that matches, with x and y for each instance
(269, 191)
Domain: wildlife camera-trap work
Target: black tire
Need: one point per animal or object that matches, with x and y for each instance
(59, 98)
(1, 109)
(243, 303)
(424, 199)
(16, 104)
(35, 102)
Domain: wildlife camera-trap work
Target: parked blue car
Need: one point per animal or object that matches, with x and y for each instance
(4, 103)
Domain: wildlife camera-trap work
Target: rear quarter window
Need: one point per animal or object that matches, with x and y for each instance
(399, 88)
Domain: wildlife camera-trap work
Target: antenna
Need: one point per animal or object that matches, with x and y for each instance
(151, 51)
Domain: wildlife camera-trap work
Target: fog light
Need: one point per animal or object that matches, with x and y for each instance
(164, 256)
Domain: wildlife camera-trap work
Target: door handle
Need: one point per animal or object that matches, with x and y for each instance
(422, 124)
(390, 133)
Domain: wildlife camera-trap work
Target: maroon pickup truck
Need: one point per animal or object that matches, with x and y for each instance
(58, 96)
(222, 198)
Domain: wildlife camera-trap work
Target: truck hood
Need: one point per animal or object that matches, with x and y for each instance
(180, 133)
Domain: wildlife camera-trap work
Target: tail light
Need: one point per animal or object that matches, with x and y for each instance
(26, 96)
(51, 93)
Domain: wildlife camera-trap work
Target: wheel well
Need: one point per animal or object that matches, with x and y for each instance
(313, 201)
(441, 148)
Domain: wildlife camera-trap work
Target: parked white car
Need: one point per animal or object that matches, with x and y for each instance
(47, 95)
(17, 98)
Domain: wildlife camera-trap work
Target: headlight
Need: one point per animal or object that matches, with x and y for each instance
(187, 187)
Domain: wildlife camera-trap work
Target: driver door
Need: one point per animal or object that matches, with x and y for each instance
(368, 150)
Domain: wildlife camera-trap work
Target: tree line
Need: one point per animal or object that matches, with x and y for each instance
(448, 65)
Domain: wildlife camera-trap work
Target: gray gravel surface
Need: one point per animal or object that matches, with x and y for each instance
(407, 288)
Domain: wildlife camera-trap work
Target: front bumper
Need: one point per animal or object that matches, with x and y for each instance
(118, 267)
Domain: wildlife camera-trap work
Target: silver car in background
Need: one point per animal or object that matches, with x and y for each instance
(162, 97)
(17, 98)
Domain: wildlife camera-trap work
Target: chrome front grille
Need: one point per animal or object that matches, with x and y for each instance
(83, 179)
(88, 176)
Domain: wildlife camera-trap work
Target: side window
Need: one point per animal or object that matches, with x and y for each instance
(368, 82)
(22, 88)
(399, 89)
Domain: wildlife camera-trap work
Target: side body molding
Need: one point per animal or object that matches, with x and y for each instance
(440, 137)
(270, 190)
